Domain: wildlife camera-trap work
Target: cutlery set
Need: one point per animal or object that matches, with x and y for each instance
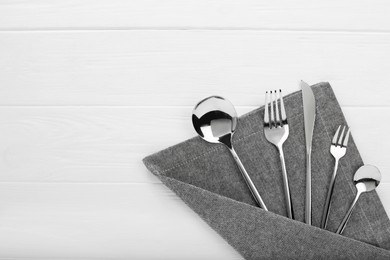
(215, 120)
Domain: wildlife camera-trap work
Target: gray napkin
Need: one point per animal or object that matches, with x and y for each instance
(206, 178)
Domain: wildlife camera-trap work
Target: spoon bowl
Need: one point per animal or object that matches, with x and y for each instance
(215, 120)
(367, 178)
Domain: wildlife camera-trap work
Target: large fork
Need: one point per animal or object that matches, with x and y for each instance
(276, 132)
(338, 149)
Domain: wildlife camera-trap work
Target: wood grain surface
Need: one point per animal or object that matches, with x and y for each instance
(89, 88)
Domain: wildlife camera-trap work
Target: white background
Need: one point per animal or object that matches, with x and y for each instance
(90, 87)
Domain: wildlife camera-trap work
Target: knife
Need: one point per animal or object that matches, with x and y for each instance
(309, 114)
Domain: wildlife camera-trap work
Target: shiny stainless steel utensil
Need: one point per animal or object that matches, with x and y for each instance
(366, 179)
(338, 149)
(276, 132)
(309, 113)
(215, 120)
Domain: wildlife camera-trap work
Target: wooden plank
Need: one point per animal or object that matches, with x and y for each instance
(107, 144)
(369, 15)
(171, 68)
(103, 221)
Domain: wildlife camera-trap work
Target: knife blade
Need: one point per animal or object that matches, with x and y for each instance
(309, 114)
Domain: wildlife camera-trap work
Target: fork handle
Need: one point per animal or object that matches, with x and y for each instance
(287, 194)
(248, 180)
(325, 213)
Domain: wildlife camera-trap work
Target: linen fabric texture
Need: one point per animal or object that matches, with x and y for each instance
(207, 179)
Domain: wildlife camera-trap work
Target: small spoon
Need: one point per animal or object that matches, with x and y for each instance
(215, 120)
(366, 179)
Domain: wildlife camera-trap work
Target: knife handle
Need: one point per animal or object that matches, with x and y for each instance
(308, 189)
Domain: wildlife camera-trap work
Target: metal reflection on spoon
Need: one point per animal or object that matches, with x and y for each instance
(215, 120)
(366, 179)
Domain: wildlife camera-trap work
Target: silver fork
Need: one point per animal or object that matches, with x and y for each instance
(276, 132)
(338, 150)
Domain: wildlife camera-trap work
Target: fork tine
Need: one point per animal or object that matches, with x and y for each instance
(272, 109)
(345, 143)
(277, 119)
(340, 142)
(334, 141)
(282, 110)
(266, 113)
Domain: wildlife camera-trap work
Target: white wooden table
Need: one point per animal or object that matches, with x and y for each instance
(90, 87)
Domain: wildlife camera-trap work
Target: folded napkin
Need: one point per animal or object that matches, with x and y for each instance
(206, 178)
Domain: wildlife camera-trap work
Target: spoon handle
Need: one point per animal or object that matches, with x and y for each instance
(248, 180)
(325, 213)
(343, 223)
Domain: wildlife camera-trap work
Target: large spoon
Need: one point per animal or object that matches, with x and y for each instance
(366, 179)
(215, 120)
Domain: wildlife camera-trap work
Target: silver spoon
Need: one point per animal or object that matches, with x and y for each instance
(215, 120)
(366, 179)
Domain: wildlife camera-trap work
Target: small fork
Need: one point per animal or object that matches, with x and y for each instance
(338, 150)
(276, 132)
